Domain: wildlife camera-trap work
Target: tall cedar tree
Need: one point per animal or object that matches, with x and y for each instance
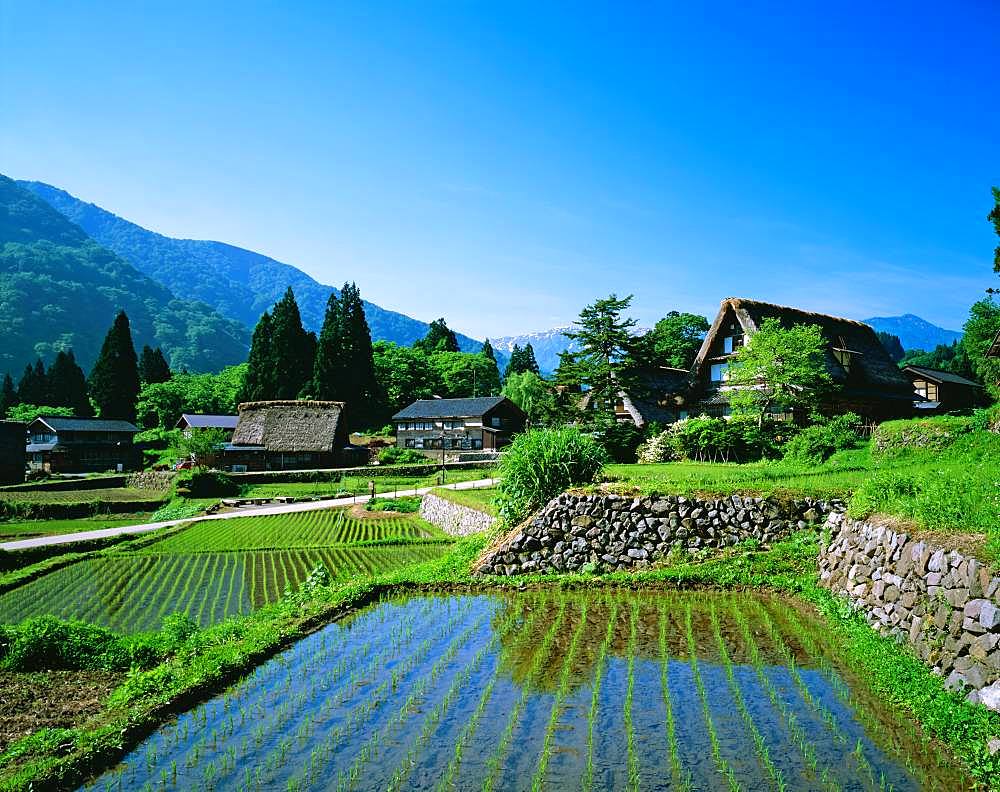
(258, 383)
(439, 338)
(114, 379)
(280, 364)
(8, 395)
(344, 369)
(604, 360)
(522, 360)
(153, 366)
(33, 387)
(67, 385)
(488, 350)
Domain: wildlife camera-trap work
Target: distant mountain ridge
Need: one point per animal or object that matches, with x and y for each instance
(547, 345)
(914, 332)
(240, 284)
(59, 289)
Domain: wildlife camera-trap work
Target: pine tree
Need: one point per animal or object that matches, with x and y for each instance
(67, 385)
(514, 364)
(439, 338)
(114, 380)
(8, 395)
(522, 360)
(258, 384)
(33, 387)
(153, 366)
(293, 349)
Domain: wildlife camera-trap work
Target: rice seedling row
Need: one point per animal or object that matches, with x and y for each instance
(464, 692)
(317, 528)
(134, 592)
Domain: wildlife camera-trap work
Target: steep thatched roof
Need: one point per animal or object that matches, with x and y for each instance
(994, 350)
(871, 363)
(292, 426)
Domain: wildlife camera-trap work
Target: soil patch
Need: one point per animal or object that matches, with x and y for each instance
(50, 699)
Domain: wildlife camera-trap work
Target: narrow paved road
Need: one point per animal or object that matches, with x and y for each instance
(285, 508)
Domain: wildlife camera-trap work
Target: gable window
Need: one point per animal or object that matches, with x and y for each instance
(495, 423)
(928, 391)
(717, 372)
(843, 355)
(731, 343)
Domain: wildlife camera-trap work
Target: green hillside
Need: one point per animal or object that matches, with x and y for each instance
(59, 289)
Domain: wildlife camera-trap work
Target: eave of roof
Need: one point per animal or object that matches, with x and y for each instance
(941, 376)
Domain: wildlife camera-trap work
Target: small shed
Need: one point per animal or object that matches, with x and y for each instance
(941, 391)
(189, 421)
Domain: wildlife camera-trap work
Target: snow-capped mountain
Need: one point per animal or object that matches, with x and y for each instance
(546, 343)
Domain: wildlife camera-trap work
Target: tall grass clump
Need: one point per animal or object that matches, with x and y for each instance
(542, 463)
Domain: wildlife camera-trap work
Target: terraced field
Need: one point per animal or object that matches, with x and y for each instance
(319, 528)
(133, 592)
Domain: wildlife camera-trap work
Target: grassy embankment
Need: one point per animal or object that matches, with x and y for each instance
(940, 475)
(360, 485)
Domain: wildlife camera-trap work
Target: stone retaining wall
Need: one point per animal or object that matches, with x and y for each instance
(157, 480)
(453, 518)
(610, 532)
(945, 605)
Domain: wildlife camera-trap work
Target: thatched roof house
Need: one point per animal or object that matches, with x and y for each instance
(284, 435)
(865, 378)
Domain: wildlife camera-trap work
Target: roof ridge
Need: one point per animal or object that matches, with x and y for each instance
(739, 301)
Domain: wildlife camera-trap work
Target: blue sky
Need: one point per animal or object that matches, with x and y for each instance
(502, 165)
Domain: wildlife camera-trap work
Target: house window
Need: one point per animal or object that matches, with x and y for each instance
(477, 444)
(731, 343)
(411, 443)
(843, 358)
(718, 372)
(495, 422)
(619, 405)
(928, 391)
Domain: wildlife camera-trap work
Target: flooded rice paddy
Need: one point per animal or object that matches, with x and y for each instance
(548, 690)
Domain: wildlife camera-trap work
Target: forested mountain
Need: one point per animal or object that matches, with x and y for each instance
(238, 283)
(914, 332)
(59, 289)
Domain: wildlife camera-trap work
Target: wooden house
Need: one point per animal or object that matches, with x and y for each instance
(657, 396)
(12, 453)
(434, 426)
(943, 392)
(290, 435)
(81, 445)
(865, 379)
(190, 421)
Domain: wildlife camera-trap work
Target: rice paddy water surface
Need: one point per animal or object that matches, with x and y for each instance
(548, 690)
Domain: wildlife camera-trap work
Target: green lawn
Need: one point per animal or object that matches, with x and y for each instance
(480, 499)
(28, 528)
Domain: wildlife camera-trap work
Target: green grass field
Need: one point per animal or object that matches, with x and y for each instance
(27, 528)
(133, 592)
(479, 499)
(319, 528)
(838, 477)
(109, 495)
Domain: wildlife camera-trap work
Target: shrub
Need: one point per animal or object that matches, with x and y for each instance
(45, 643)
(201, 483)
(737, 439)
(540, 464)
(393, 455)
(620, 441)
(927, 434)
(657, 449)
(408, 504)
(821, 441)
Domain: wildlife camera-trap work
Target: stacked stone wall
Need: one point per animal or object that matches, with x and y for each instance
(610, 532)
(943, 604)
(453, 518)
